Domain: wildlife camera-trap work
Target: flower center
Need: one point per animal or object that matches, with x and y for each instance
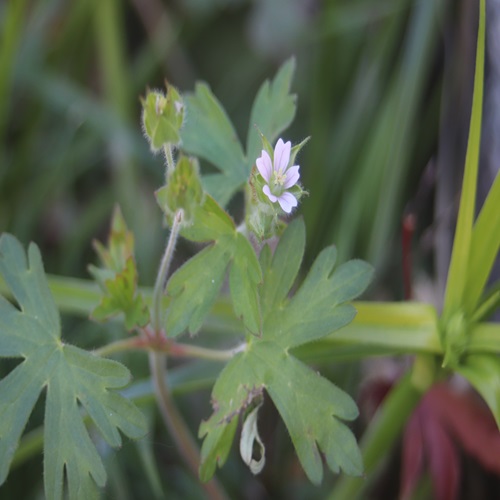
(277, 181)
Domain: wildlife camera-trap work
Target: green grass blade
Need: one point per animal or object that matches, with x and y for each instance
(484, 338)
(11, 32)
(407, 327)
(457, 278)
(484, 247)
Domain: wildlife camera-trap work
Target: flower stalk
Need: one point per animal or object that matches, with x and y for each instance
(157, 360)
(163, 272)
(169, 160)
(170, 347)
(175, 424)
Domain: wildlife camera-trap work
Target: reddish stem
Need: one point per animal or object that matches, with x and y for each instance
(409, 222)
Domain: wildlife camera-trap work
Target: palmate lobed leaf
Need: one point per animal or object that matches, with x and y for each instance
(311, 406)
(73, 378)
(194, 287)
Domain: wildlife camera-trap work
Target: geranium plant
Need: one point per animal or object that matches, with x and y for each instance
(249, 268)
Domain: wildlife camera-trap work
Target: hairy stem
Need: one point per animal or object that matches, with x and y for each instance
(157, 362)
(176, 425)
(170, 347)
(163, 271)
(169, 160)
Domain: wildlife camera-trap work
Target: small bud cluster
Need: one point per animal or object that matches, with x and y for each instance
(162, 118)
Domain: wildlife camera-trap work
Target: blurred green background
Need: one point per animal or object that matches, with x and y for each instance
(369, 82)
(383, 88)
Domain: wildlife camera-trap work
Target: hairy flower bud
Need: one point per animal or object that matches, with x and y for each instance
(162, 118)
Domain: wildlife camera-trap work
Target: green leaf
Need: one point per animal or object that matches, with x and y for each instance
(282, 271)
(183, 190)
(308, 315)
(244, 277)
(484, 247)
(217, 450)
(483, 372)
(490, 302)
(210, 223)
(118, 277)
(222, 186)
(310, 405)
(209, 134)
(195, 287)
(72, 377)
(272, 112)
(459, 271)
(484, 338)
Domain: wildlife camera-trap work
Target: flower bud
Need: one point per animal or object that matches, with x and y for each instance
(162, 118)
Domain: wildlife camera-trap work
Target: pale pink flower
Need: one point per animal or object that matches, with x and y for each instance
(278, 176)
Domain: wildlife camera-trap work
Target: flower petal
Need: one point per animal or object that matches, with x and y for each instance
(270, 195)
(265, 165)
(291, 177)
(287, 201)
(281, 155)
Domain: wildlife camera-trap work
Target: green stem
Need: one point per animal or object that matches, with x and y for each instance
(381, 435)
(157, 362)
(169, 347)
(176, 425)
(169, 160)
(163, 271)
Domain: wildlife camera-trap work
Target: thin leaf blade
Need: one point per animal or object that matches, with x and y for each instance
(485, 243)
(457, 278)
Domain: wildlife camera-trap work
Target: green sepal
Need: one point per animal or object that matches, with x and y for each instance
(296, 149)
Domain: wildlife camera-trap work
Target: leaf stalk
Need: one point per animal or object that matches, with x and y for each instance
(163, 271)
